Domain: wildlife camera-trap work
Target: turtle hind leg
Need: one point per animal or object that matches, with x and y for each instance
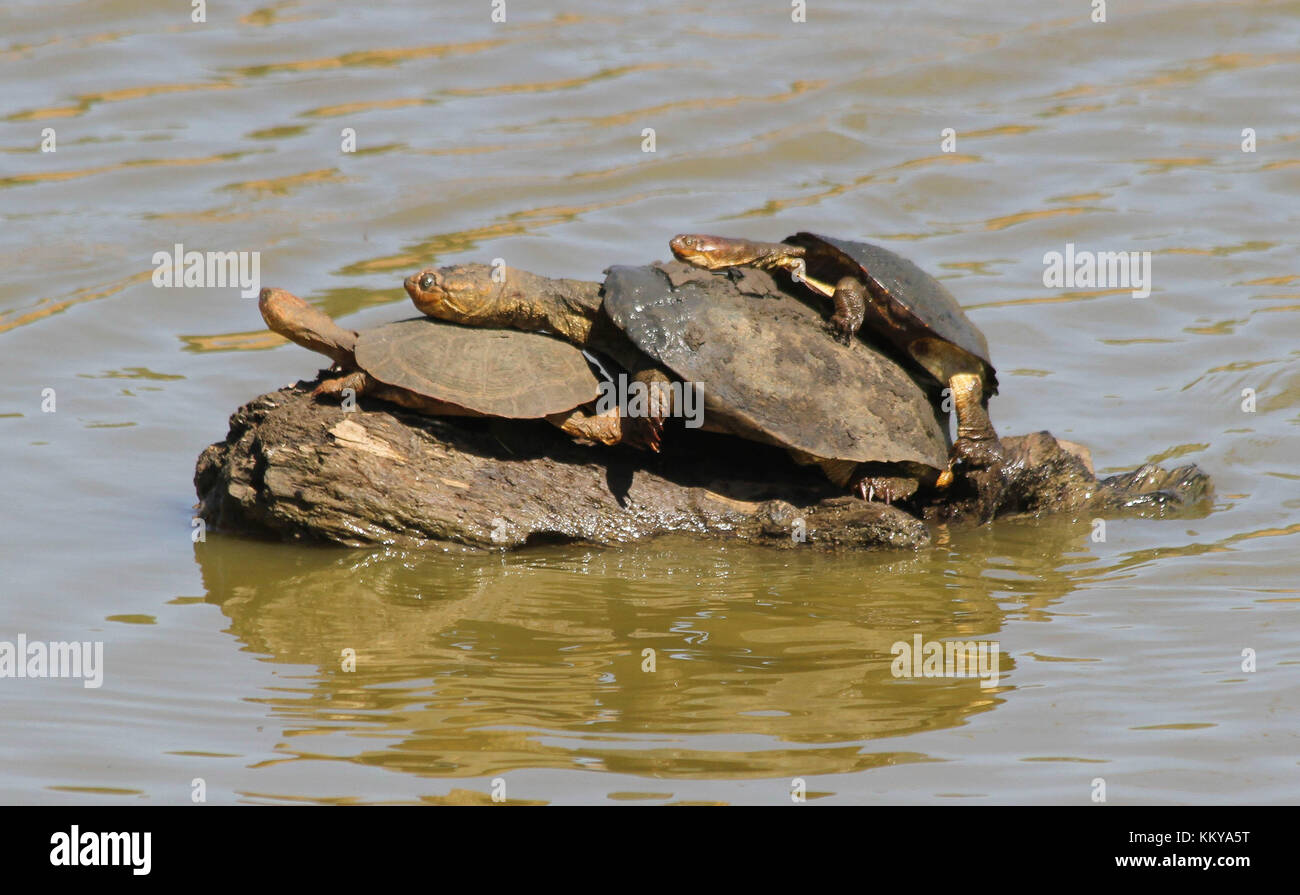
(871, 481)
(358, 382)
(977, 446)
(886, 488)
(850, 299)
(604, 428)
(871, 488)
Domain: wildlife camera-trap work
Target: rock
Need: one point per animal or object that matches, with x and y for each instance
(296, 468)
(293, 467)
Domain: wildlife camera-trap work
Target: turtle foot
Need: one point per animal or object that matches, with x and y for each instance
(885, 489)
(645, 432)
(976, 476)
(841, 330)
(969, 455)
(338, 387)
(600, 428)
(850, 298)
(646, 424)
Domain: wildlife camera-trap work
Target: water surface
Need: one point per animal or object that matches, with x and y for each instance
(523, 140)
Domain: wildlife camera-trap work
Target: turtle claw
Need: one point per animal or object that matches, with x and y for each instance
(870, 488)
(840, 330)
(654, 427)
(646, 432)
(977, 476)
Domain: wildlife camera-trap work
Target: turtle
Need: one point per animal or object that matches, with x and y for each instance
(901, 304)
(445, 370)
(765, 373)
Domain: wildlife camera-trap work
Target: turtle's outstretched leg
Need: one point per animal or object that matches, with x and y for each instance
(977, 446)
(365, 385)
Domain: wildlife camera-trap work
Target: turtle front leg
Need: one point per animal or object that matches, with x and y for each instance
(977, 447)
(640, 423)
(778, 256)
(850, 299)
(644, 423)
(791, 262)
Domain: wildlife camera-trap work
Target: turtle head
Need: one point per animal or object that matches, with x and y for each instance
(720, 252)
(711, 252)
(463, 293)
(291, 317)
(276, 305)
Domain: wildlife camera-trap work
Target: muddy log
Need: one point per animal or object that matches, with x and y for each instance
(294, 467)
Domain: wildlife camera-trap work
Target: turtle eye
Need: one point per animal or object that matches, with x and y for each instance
(427, 282)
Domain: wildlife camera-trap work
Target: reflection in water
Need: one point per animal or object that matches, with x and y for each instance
(766, 666)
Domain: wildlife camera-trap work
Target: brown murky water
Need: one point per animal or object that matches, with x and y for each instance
(1121, 659)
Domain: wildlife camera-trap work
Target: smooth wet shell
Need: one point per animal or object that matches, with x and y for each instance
(519, 375)
(770, 369)
(906, 284)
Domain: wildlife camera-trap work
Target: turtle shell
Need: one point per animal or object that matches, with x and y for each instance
(768, 371)
(499, 372)
(915, 295)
